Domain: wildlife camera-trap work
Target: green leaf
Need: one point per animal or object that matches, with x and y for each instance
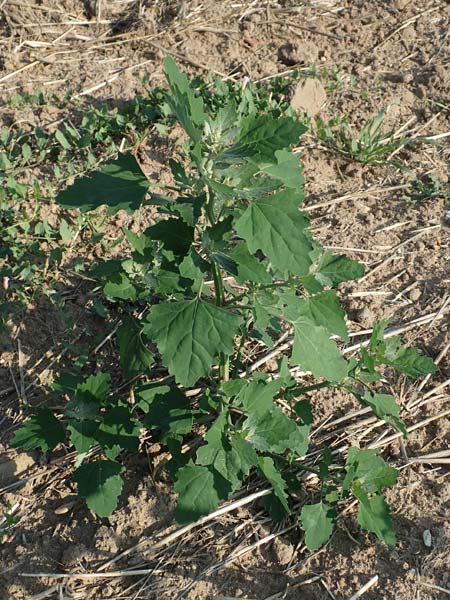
(119, 184)
(119, 429)
(249, 268)
(196, 491)
(268, 469)
(287, 169)
(314, 351)
(370, 470)
(119, 286)
(83, 434)
(135, 357)
(374, 516)
(187, 107)
(95, 387)
(324, 309)
(409, 361)
(42, 431)
(256, 397)
(275, 432)
(190, 335)
(262, 135)
(100, 484)
(317, 521)
(174, 234)
(274, 225)
(385, 407)
(166, 408)
(333, 269)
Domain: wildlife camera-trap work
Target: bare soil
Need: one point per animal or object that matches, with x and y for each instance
(393, 55)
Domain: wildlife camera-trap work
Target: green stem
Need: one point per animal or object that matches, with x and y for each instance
(224, 363)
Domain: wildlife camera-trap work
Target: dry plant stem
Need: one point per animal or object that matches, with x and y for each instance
(365, 588)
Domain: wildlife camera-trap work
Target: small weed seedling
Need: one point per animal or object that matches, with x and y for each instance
(229, 262)
(371, 146)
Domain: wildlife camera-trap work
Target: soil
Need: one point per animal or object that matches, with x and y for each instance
(369, 55)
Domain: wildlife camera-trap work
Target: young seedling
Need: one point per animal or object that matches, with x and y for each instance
(229, 262)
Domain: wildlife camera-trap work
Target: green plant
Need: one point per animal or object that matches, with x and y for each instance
(372, 145)
(229, 262)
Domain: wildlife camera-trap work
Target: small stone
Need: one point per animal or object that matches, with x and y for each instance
(365, 316)
(414, 294)
(427, 539)
(309, 97)
(306, 53)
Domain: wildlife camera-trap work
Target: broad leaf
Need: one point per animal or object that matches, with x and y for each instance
(249, 268)
(317, 521)
(272, 474)
(119, 286)
(385, 407)
(274, 225)
(370, 470)
(314, 351)
(174, 234)
(409, 361)
(135, 357)
(275, 432)
(374, 516)
(287, 169)
(119, 429)
(42, 431)
(119, 184)
(333, 269)
(100, 484)
(166, 408)
(190, 335)
(256, 397)
(324, 310)
(186, 105)
(196, 491)
(262, 135)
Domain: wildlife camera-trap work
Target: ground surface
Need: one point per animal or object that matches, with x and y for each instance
(369, 55)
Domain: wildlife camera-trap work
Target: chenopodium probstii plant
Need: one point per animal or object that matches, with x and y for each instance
(231, 261)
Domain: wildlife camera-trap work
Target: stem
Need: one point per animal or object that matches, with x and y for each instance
(224, 363)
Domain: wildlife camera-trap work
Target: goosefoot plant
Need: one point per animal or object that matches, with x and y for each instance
(231, 260)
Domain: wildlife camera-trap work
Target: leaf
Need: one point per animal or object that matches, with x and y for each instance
(119, 286)
(333, 269)
(385, 407)
(175, 235)
(267, 467)
(100, 484)
(42, 431)
(374, 515)
(324, 309)
(317, 521)
(65, 232)
(197, 494)
(274, 225)
(118, 428)
(166, 408)
(190, 334)
(119, 184)
(187, 107)
(275, 432)
(249, 268)
(314, 351)
(262, 135)
(135, 357)
(95, 386)
(83, 434)
(256, 397)
(287, 169)
(370, 470)
(409, 361)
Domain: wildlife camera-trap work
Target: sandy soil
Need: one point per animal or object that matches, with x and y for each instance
(369, 55)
